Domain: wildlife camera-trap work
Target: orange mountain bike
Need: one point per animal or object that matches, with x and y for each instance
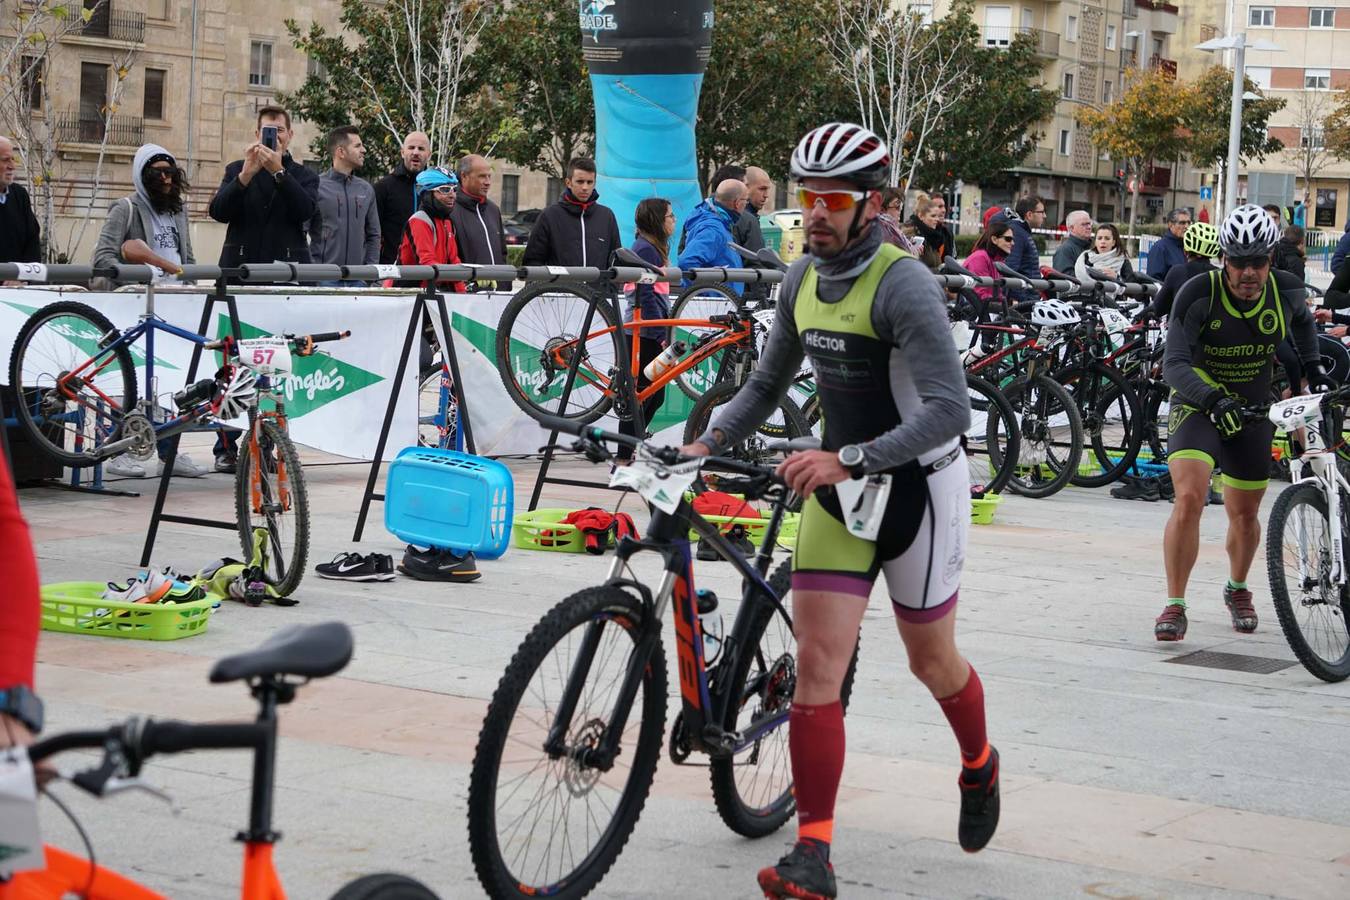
(302, 652)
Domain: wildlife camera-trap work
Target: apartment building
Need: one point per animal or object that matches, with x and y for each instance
(1088, 50)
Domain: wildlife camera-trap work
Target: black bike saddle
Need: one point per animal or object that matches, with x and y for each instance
(308, 651)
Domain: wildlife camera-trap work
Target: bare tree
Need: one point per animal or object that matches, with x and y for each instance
(903, 72)
(1314, 152)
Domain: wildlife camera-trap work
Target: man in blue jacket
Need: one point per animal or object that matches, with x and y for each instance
(1342, 248)
(707, 231)
(1168, 251)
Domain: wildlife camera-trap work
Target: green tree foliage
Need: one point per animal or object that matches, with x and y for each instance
(1207, 114)
(996, 123)
(533, 105)
(755, 102)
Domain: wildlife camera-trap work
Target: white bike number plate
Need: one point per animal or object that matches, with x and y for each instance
(660, 485)
(266, 355)
(1113, 321)
(764, 317)
(863, 501)
(19, 833)
(1295, 412)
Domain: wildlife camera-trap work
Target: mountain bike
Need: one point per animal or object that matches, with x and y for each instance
(1307, 533)
(297, 652)
(80, 406)
(569, 746)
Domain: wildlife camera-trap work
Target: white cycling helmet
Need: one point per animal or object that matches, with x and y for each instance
(842, 150)
(241, 394)
(1054, 314)
(1248, 231)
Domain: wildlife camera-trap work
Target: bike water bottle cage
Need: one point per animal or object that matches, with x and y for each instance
(1054, 313)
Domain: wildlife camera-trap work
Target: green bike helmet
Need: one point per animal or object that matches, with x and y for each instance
(1202, 239)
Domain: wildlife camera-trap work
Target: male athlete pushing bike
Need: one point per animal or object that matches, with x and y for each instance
(871, 320)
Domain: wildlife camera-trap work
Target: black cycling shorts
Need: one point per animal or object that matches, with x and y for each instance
(1243, 459)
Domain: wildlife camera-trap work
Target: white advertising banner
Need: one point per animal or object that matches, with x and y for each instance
(335, 400)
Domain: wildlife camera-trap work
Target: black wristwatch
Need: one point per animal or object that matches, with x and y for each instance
(21, 703)
(278, 175)
(851, 457)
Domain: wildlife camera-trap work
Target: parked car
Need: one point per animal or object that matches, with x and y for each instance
(516, 233)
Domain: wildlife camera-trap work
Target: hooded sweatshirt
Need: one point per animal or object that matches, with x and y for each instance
(573, 233)
(707, 240)
(135, 218)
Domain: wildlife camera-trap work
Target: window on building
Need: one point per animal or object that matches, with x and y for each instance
(922, 11)
(553, 191)
(1260, 76)
(1157, 46)
(1261, 16)
(93, 91)
(1065, 142)
(157, 9)
(154, 93)
(260, 64)
(1110, 37)
(33, 71)
(1108, 91)
(1321, 17)
(1071, 29)
(1317, 79)
(1311, 138)
(1068, 86)
(510, 194)
(997, 26)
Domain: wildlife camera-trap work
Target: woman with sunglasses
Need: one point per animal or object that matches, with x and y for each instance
(992, 247)
(428, 236)
(1221, 346)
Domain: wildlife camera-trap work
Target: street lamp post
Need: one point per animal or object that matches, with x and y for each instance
(1239, 44)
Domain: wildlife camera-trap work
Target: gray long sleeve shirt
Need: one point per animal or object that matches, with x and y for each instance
(345, 229)
(926, 378)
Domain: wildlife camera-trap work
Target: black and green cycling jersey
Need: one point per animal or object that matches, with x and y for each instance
(1218, 344)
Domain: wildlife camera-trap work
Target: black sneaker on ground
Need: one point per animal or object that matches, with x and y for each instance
(1137, 489)
(979, 804)
(1165, 488)
(227, 461)
(740, 539)
(802, 875)
(439, 565)
(355, 567)
(705, 551)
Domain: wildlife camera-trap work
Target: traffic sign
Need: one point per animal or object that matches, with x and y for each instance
(1206, 193)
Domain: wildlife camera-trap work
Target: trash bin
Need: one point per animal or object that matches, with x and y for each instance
(773, 235)
(792, 243)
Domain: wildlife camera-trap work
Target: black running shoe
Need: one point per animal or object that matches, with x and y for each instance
(1137, 489)
(355, 567)
(705, 552)
(979, 804)
(802, 875)
(740, 539)
(439, 565)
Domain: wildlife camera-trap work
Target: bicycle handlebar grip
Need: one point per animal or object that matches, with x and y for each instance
(330, 336)
(175, 737)
(70, 740)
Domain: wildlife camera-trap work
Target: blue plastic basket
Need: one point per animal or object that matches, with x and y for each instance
(448, 499)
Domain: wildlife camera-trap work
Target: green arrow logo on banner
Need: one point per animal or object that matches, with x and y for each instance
(316, 380)
(79, 333)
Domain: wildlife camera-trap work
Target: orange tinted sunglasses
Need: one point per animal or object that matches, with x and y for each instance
(835, 201)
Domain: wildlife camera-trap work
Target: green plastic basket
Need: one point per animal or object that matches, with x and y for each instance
(982, 510)
(543, 529)
(75, 607)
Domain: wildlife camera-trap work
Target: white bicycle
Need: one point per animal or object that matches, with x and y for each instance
(1306, 536)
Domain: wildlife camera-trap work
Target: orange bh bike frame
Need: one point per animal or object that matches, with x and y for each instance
(68, 874)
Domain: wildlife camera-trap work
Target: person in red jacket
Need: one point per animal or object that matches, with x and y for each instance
(19, 615)
(428, 237)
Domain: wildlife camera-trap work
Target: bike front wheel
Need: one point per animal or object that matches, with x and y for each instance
(1311, 608)
(385, 886)
(273, 506)
(1052, 435)
(752, 787)
(993, 440)
(538, 338)
(550, 820)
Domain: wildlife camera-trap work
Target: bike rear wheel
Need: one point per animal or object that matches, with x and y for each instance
(993, 440)
(385, 886)
(437, 409)
(783, 424)
(1112, 422)
(71, 424)
(699, 303)
(552, 824)
(753, 787)
(275, 502)
(1312, 610)
(1052, 435)
(536, 341)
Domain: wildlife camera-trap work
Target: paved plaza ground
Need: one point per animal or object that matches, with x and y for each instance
(1124, 775)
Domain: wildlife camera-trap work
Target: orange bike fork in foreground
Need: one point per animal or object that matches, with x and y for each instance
(260, 876)
(67, 874)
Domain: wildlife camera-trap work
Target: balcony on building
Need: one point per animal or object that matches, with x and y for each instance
(72, 127)
(1168, 67)
(1046, 43)
(105, 21)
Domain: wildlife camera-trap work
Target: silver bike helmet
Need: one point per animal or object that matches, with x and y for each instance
(1054, 314)
(1248, 231)
(842, 150)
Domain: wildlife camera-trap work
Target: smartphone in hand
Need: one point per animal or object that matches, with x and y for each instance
(269, 137)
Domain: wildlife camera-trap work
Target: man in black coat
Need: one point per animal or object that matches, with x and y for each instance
(577, 230)
(394, 194)
(266, 199)
(19, 231)
(477, 221)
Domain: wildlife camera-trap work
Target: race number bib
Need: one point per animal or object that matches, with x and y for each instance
(266, 355)
(863, 503)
